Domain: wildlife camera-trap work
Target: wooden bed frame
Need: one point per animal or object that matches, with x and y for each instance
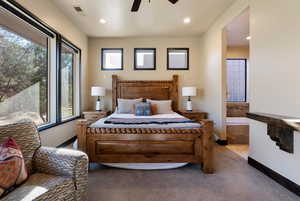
(147, 145)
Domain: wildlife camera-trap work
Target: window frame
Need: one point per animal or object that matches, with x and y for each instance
(54, 64)
(135, 59)
(246, 76)
(102, 59)
(64, 41)
(188, 59)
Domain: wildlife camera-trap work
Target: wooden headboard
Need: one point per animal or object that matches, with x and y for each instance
(156, 90)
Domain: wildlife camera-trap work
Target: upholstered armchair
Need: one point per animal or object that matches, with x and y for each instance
(55, 174)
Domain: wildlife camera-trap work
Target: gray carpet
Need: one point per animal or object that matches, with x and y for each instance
(234, 180)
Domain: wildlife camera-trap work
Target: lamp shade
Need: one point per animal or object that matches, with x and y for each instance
(98, 91)
(189, 91)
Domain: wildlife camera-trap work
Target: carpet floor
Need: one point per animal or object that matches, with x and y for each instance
(234, 180)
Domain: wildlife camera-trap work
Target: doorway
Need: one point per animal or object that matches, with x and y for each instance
(237, 86)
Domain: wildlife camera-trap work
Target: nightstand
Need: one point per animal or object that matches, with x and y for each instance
(195, 115)
(93, 116)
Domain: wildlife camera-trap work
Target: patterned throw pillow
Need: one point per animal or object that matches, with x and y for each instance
(143, 109)
(12, 166)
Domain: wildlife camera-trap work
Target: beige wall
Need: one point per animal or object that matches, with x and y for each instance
(274, 79)
(234, 52)
(192, 77)
(214, 66)
(51, 15)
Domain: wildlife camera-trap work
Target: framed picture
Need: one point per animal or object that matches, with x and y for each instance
(144, 58)
(178, 58)
(112, 59)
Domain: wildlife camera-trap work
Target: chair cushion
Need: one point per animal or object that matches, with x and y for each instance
(12, 166)
(26, 136)
(43, 187)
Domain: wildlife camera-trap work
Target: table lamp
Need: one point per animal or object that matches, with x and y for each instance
(99, 92)
(189, 92)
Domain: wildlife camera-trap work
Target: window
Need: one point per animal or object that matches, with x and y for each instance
(237, 80)
(24, 70)
(144, 58)
(178, 59)
(112, 59)
(39, 70)
(68, 65)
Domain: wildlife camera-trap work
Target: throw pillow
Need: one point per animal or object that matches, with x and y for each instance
(154, 109)
(12, 166)
(163, 106)
(125, 105)
(143, 109)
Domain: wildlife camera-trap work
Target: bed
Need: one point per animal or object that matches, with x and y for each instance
(151, 143)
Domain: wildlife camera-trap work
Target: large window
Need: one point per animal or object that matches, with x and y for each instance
(23, 71)
(237, 80)
(39, 70)
(67, 85)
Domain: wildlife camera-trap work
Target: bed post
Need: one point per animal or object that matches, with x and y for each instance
(208, 147)
(114, 91)
(81, 127)
(175, 93)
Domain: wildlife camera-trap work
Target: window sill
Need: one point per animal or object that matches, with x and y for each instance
(42, 128)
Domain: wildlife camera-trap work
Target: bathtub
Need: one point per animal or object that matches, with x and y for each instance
(237, 121)
(140, 166)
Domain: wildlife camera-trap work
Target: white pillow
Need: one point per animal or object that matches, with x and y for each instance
(125, 106)
(163, 106)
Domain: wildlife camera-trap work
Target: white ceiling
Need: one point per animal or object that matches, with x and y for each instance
(158, 18)
(238, 30)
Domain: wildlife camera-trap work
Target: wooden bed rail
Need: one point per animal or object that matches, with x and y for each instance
(203, 140)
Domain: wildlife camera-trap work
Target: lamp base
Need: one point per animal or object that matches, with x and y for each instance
(98, 106)
(189, 106)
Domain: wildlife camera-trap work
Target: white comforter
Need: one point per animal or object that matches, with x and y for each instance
(100, 123)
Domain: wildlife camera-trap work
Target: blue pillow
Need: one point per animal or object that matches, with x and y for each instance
(143, 109)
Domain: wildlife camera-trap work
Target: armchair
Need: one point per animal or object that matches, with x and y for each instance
(55, 174)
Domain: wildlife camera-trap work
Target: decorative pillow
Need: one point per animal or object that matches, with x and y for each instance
(125, 106)
(12, 166)
(163, 106)
(154, 109)
(143, 109)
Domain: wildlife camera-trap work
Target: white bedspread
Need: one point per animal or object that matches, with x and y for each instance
(100, 123)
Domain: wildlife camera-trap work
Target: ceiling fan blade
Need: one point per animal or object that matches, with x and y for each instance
(173, 1)
(136, 5)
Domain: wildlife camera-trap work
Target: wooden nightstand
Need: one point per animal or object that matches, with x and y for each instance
(195, 115)
(93, 116)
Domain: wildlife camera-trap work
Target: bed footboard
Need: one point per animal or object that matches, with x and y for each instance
(148, 145)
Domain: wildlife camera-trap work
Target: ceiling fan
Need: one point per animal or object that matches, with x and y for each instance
(137, 3)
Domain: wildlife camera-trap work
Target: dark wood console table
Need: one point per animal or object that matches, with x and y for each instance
(280, 129)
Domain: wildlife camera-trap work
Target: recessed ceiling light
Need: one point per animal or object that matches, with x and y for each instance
(187, 20)
(102, 21)
(248, 38)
